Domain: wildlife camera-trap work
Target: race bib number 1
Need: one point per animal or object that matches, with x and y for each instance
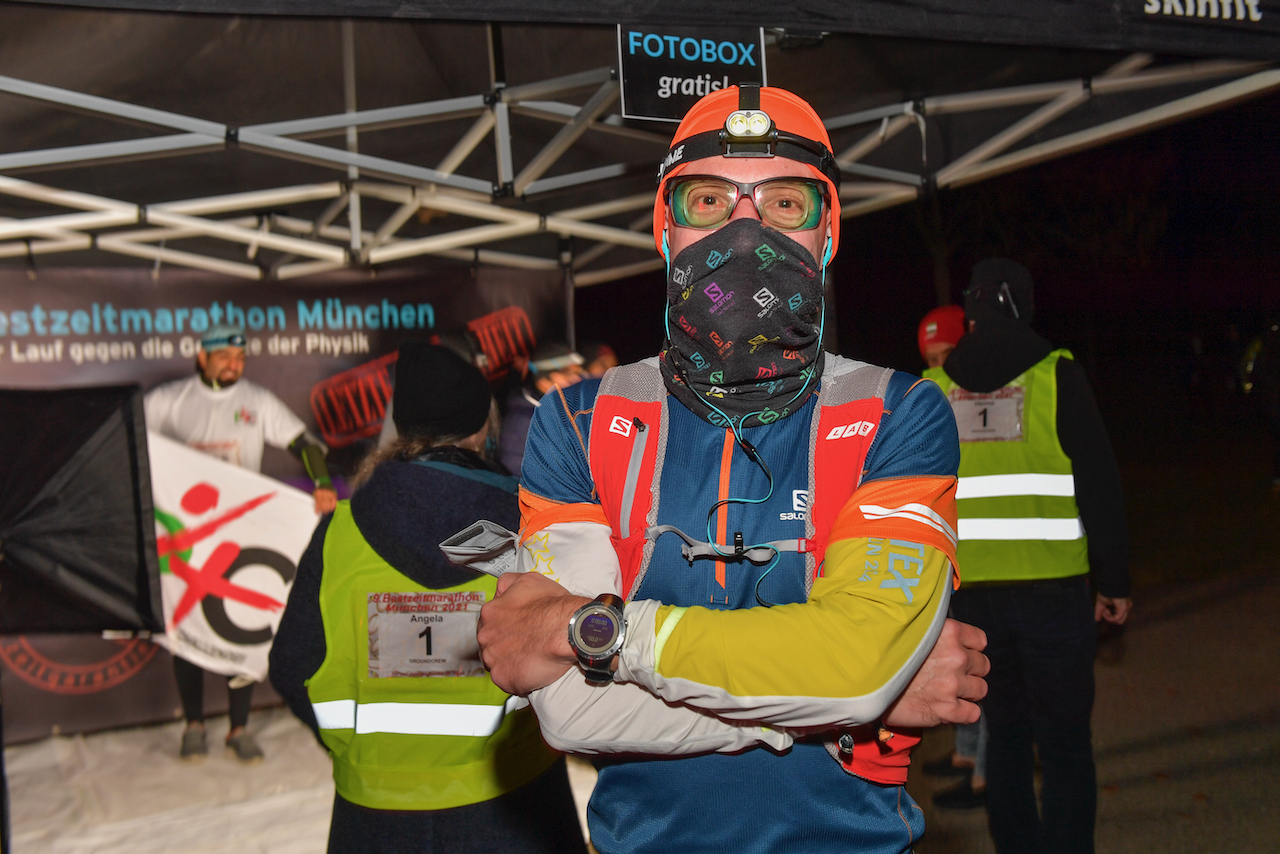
(992, 417)
(424, 634)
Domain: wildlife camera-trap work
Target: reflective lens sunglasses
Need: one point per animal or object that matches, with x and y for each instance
(707, 201)
(230, 341)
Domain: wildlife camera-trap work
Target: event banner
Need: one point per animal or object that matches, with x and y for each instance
(229, 542)
(319, 344)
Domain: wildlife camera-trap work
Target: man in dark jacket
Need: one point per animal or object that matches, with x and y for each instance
(1043, 554)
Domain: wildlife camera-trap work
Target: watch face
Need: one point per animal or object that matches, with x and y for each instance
(596, 631)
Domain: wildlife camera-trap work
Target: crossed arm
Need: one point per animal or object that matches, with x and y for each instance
(871, 643)
(702, 694)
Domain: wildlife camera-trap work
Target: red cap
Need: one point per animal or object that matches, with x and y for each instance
(790, 113)
(945, 324)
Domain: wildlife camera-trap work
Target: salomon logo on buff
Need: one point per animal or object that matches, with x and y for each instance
(859, 428)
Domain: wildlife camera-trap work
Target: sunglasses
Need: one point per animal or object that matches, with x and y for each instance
(229, 341)
(707, 201)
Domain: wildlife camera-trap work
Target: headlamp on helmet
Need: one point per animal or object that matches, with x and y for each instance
(748, 124)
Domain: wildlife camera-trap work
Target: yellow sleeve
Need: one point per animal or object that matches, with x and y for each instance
(838, 659)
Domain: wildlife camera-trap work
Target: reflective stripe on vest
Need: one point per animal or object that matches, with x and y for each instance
(998, 485)
(1018, 528)
(1021, 529)
(414, 718)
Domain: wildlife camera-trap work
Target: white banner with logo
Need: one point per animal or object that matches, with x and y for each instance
(229, 542)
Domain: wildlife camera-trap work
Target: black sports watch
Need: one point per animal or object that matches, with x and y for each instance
(596, 633)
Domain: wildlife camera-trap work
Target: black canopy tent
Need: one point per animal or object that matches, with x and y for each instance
(277, 147)
(1235, 28)
(279, 138)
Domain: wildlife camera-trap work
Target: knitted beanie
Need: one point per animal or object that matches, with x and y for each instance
(438, 393)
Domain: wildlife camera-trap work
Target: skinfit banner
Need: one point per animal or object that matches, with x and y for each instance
(229, 542)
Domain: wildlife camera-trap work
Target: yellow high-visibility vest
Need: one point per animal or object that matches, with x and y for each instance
(1018, 519)
(411, 742)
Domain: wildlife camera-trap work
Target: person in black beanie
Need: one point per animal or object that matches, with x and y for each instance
(376, 650)
(1043, 554)
(438, 394)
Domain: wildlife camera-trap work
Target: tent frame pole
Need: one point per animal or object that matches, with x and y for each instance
(309, 246)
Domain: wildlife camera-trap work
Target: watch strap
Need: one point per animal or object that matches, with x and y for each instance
(599, 674)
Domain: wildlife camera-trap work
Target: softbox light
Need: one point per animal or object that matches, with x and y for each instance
(77, 531)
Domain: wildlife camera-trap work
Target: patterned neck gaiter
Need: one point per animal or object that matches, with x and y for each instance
(744, 309)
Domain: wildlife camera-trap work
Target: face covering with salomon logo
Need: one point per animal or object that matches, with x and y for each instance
(744, 317)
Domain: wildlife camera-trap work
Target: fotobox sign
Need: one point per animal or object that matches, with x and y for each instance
(665, 70)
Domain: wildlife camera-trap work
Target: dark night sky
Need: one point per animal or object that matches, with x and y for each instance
(1132, 243)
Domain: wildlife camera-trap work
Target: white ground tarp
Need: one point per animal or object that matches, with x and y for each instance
(126, 792)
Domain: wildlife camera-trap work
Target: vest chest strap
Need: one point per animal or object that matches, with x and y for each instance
(760, 553)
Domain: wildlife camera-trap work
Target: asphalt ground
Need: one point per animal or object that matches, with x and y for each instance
(1186, 729)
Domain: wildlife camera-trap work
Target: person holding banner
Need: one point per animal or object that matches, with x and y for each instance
(376, 650)
(768, 532)
(218, 412)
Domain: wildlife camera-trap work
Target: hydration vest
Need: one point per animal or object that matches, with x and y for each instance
(626, 453)
(1016, 496)
(400, 739)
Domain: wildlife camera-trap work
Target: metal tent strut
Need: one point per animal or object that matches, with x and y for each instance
(315, 245)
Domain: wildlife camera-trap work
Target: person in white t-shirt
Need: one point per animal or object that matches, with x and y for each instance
(216, 411)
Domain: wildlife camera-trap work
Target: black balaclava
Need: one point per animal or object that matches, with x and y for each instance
(744, 325)
(1000, 304)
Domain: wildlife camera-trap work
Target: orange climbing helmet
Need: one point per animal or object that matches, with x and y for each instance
(750, 121)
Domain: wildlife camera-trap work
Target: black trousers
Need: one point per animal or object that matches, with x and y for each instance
(537, 818)
(190, 679)
(1041, 640)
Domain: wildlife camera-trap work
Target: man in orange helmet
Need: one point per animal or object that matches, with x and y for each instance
(768, 531)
